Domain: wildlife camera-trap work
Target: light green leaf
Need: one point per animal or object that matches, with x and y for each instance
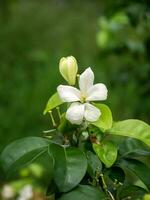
(105, 121)
(22, 152)
(84, 192)
(132, 128)
(53, 102)
(69, 167)
(107, 152)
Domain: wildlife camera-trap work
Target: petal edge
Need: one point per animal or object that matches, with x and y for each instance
(68, 93)
(91, 113)
(97, 92)
(75, 113)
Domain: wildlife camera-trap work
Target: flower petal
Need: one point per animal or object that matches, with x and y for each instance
(91, 113)
(86, 80)
(97, 92)
(75, 113)
(68, 93)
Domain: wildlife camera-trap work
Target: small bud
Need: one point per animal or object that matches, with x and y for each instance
(85, 135)
(68, 68)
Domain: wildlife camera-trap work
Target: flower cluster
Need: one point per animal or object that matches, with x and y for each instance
(81, 99)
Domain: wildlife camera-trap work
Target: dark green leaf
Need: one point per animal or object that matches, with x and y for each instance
(53, 102)
(84, 192)
(138, 168)
(22, 152)
(131, 192)
(133, 148)
(116, 173)
(132, 128)
(69, 168)
(94, 164)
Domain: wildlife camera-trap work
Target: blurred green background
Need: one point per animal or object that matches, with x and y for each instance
(113, 37)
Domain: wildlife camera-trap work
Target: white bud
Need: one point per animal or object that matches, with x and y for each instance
(68, 68)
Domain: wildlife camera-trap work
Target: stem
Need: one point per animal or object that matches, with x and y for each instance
(110, 194)
(49, 131)
(126, 198)
(52, 118)
(78, 77)
(105, 187)
(58, 111)
(103, 182)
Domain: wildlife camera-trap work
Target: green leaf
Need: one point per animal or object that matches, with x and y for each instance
(69, 168)
(131, 147)
(22, 152)
(94, 164)
(116, 173)
(138, 168)
(133, 192)
(132, 128)
(53, 102)
(84, 192)
(107, 152)
(105, 121)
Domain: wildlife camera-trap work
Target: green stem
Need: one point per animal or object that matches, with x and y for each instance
(103, 182)
(105, 187)
(78, 77)
(52, 118)
(110, 194)
(58, 111)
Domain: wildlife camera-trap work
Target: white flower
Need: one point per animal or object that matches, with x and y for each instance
(26, 193)
(81, 109)
(7, 192)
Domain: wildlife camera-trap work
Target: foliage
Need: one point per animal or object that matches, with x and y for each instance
(93, 160)
(123, 39)
(32, 43)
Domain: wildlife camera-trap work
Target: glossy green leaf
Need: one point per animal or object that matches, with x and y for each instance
(53, 102)
(84, 192)
(22, 152)
(107, 152)
(94, 164)
(131, 147)
(138, 168)
(132, 128)
(105, 121)
(69, 168)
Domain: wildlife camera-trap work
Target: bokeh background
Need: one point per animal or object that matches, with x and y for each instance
(113, 37)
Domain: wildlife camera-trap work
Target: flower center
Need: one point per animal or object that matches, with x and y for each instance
(83, 99)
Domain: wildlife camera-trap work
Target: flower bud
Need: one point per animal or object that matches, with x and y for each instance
(68, 68)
